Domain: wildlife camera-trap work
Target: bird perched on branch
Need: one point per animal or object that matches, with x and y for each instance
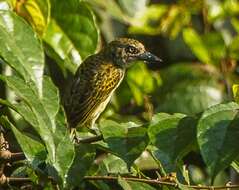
(97, 78)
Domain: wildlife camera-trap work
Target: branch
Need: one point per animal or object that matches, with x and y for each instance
(158, 182)
(89, 139)
(4, 180)
(7, 155)
(149, 181)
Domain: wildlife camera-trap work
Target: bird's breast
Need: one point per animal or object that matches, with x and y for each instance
(104, 103)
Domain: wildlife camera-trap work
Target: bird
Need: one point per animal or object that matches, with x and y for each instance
(98, 77)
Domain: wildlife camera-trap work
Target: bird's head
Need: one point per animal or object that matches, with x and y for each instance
(124, 51)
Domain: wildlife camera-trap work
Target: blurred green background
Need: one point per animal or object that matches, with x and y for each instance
(198, 41)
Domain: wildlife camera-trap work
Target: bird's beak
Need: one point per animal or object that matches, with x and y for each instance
(149, 57)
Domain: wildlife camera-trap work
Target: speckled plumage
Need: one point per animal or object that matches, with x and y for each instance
(97, 78)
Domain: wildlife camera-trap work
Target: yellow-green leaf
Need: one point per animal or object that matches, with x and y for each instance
(235, 90)
(36, 12)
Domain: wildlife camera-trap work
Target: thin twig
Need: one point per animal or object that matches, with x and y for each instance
(149, 181)
(9, 156)
(113, 178)
(17, 156)
(18, 179)
(159, 182)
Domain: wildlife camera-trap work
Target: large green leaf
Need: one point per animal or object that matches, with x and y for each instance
(217, 136)
(20, 48)
(34, 150)
(125, 140)
(74, 32)
(47, 120)
(85, 154)
(78, 23)
(115, 165)
(61, 48)
(174, 136)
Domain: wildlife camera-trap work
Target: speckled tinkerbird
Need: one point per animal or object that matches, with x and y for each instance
(97, 78)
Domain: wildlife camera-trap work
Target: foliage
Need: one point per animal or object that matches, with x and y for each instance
(156, 120)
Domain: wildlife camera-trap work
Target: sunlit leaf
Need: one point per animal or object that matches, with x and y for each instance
(61, 48)
(78, 24)
(235, 90)
(20, 48)
(36, 12)
(5, 5)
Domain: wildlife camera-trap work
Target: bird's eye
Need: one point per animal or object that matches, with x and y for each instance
(132, 50)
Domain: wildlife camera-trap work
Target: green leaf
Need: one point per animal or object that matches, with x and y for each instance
(65, 154)
(21, 48)
(60, 47)
(78, 24)
(235, 90)
(28, 95)
(141, 81)
(115, 165)
(234, 48)
(217, 135)
(48, 120)
(50, 99)
(34, 151)
(36, 12)
(195, 42)
(235, 23)
(131, 185)
(174, 136)
(235, 165)
(85, 154)
(125, 140)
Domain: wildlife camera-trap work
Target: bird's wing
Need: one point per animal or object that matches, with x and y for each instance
(92, 89)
